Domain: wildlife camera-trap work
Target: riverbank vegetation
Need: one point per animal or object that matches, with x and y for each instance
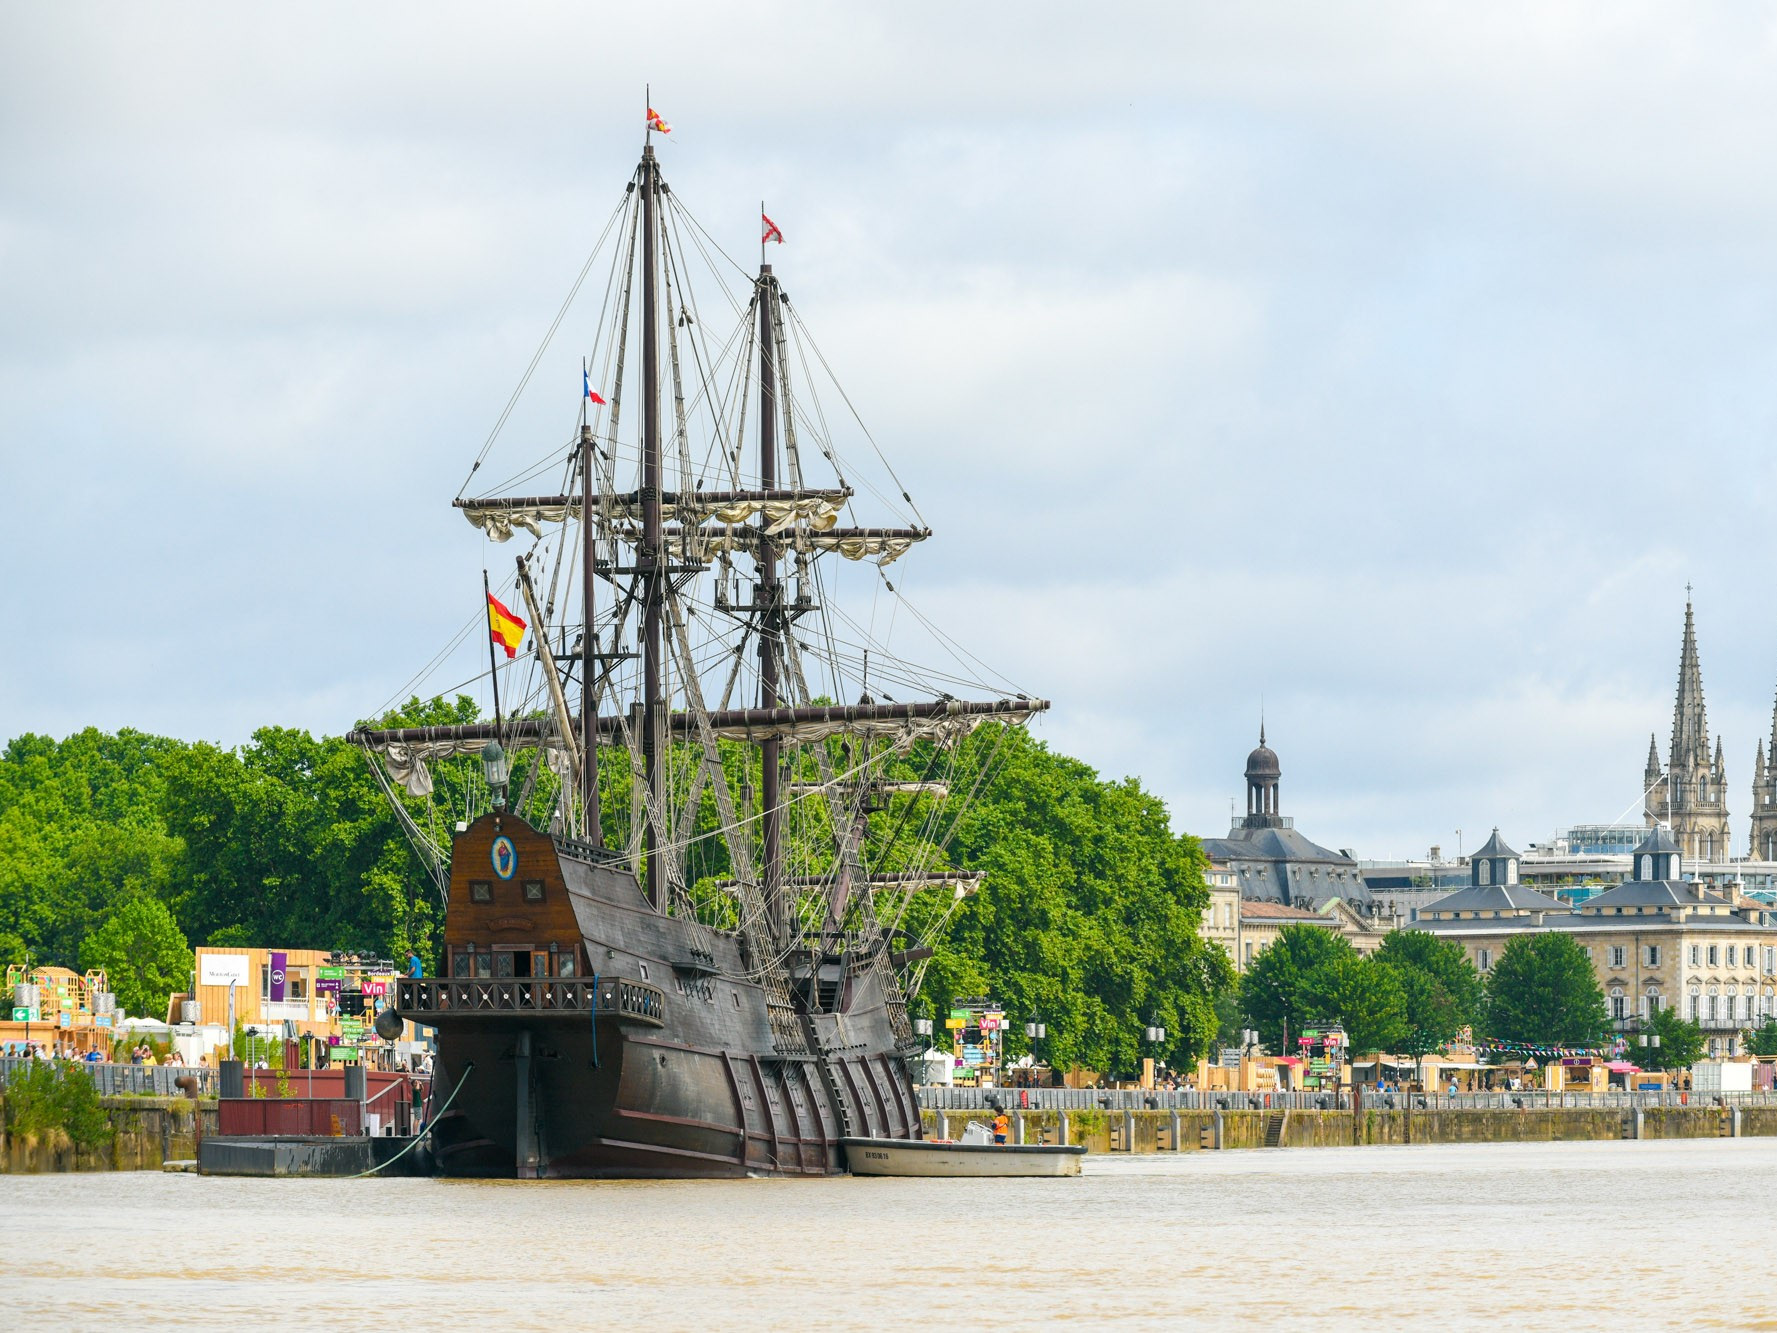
(53, 1102)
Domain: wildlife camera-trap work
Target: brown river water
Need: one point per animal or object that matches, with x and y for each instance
(1581, 1235)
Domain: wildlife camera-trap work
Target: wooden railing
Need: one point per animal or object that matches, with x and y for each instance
(424, 999)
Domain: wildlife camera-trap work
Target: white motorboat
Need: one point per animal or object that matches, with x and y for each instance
(947, 1157)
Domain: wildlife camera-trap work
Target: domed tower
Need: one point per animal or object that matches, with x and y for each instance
(1262, 773)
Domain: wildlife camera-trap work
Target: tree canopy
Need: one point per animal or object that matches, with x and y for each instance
(1681, 1041)
(1440, 989)
(1282, 984)
(1089, 915)
(143, 953)
(1542, 991)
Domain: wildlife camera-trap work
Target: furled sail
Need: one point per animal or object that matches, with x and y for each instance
(819, 510)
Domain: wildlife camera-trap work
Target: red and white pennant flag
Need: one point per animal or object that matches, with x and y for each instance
(772, 232)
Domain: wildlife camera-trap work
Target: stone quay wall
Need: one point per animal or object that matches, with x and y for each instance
(145, 1133)
(1109, 1131)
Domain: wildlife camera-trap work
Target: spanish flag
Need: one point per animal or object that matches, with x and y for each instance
(504, 628)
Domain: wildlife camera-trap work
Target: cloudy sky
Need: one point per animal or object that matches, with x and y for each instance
(1397, 365)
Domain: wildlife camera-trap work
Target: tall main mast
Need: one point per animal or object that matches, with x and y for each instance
(765, 598)
(593, 825)
(650, 559)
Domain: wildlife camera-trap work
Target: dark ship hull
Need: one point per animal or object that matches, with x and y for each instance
(642, 1049)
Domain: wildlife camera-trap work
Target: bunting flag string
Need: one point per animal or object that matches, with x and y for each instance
(1527, 1048)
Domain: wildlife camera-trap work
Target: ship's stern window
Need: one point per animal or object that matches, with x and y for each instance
(460, 962)
(481, 891)
(503, 965)
(564, 964)
(533, 890)
(484, 965)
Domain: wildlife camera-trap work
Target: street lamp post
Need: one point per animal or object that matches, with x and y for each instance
(1156, 1036)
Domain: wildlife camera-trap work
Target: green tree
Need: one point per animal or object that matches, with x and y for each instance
(1440, 987)
(291, 841)
(1364, 996)
(1762, 1041)
(1278, 989)
(1543, 992)
(80, 829)
(144, 955)
(1089, 912)
(1681, 1041)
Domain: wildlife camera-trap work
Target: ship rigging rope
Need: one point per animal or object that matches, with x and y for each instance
(796, 320)
(543, 346)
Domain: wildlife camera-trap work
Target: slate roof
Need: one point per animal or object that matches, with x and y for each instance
(1660, 840)
(1496, 898)
(1650, 893)
(1494, 846)
(1271, 844)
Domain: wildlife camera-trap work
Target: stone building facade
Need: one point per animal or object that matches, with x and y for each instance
(1654, 941)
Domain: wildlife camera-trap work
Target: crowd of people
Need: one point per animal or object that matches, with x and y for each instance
(142, 1053)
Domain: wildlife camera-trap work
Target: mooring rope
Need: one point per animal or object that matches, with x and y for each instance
(468, 1069)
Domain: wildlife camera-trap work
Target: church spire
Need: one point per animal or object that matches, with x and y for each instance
(1653, 755)
(1690, 723)
(1773, 751)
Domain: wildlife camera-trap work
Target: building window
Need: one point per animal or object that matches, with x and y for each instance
(1619, 1004)
(481, 891)
(533, 890)
(1714, 1011)
(1696, 1005)
(1732, 953)
(1511, 872)
(1696, 955)
(1770, 959)
(1618, 958)
(1646, 868)
(1714, 959)
(1483, 959)
(1486, 872)
(1653, 955)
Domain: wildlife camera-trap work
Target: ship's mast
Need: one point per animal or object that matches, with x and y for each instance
(650, 559)
(770, 622)
(592, 825)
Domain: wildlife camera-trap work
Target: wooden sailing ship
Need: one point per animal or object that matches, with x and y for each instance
(714, 981)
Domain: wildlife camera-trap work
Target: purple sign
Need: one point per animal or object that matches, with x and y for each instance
(325, 984)
(278, 962)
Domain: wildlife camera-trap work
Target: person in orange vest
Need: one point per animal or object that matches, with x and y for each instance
(1002, 1125)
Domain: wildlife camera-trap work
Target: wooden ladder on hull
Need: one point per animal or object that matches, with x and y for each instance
(823, 1062)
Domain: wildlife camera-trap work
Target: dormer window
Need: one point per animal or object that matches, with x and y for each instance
(1512, 871)
(1647, 868)
(1486, 872)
